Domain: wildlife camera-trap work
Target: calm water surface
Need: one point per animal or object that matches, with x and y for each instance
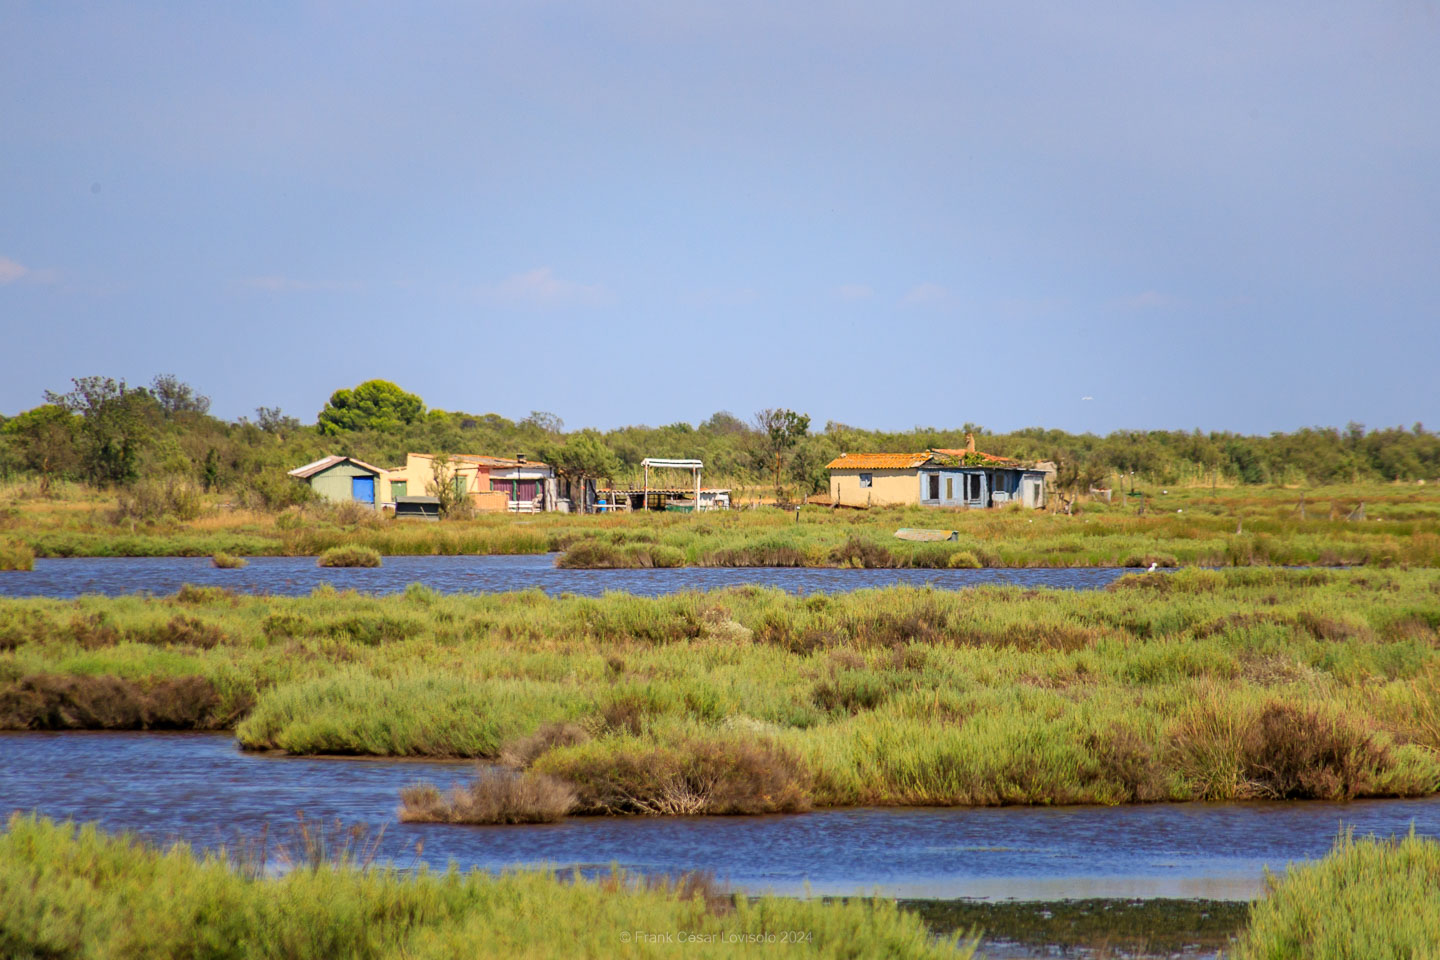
(292, 576)
(199, 787)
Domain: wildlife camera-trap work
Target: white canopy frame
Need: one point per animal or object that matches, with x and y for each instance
(663, 463)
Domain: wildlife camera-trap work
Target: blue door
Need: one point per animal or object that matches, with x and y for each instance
(363, 489)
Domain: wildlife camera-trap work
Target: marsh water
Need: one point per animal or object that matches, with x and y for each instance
(293, 576)
(202, 788)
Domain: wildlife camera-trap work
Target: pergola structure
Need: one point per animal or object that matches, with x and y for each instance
(661, 463)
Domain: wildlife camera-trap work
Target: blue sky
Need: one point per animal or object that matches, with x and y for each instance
(1223, 216)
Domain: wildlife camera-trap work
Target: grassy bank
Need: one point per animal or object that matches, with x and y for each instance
(1379, 900)
(68, 892)
(1399, 525)
(1191, 685)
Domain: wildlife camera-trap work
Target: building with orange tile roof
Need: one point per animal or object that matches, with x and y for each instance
(939, 477)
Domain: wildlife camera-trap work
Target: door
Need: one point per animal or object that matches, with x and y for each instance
(934, 483)
(362, 489)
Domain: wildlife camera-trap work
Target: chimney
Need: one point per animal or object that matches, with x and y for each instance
(520, 457)
(970, 442)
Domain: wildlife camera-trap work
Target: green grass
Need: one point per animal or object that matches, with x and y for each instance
(1241, 683)
(225, 561)
(350, 556)
(16, 556)
(1190, 527)
(78, 892)
(1368, 900)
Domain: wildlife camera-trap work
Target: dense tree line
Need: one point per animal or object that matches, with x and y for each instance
(110, 434)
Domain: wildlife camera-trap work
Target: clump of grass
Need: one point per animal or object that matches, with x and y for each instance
(1286, 752)
(521, 753)
(225, 561)
(78, 892)
(964, 560)
(495, 796)
(695, 776)
(16, 556)
(1367, 898)
(51, 702)
(350, 556)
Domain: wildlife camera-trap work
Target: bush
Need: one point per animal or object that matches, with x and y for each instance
(51, 702)
(492, 797)
(16, 556)
(692, 777)
(964, 560)
(153, 500)
(523, 752)
(350, 557)
(226, 562)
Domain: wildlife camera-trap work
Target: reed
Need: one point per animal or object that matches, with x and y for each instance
(1367, 898)
(16, 556)
(1258, 682)
(350, 556)
(1247, 526)
(78, 892)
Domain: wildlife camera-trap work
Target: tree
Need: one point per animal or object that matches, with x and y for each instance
(271, 420)
(114, 426)
(176, 396)
(46, 438)
(543, 420)
(583, 455)
(373, 405)
(781, 429)
(443, 486)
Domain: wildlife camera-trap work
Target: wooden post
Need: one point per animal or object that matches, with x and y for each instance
(697, 489)
(645, 497)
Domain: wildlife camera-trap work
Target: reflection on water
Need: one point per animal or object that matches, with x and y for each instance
(293, 576)
(199, 787)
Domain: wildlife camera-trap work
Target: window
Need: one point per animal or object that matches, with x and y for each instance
(866, 479)
(949, 488)
(934, 479)
(398, 488)
(972, 482)
(459, 485)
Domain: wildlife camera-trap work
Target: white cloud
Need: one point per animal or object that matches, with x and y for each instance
(925, 293)
(12, 271)
(542, 288)
(854, 291)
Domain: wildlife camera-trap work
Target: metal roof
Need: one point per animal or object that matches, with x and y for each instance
(325, 463)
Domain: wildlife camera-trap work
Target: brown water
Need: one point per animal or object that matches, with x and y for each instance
(294, 576)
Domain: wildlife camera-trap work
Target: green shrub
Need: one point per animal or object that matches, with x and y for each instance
(1372, 899)
(227, 562)
(350, 557)
(16, 556)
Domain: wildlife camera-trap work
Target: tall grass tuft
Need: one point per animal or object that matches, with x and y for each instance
(16, 556)
(350, 557)
(1369, 898)
(225, 561)
(68, 891)
(493, 796)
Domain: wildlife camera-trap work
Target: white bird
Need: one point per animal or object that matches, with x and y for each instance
(1153, 565)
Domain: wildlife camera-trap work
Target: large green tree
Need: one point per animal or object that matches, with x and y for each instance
(114, 426)
(46, 440)
(373, 405)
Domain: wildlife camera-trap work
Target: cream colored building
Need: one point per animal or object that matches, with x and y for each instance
(491, 484)
(935, 478)
(876, 479)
